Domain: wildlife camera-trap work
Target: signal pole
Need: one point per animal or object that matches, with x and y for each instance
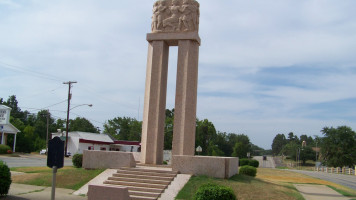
(67, 122)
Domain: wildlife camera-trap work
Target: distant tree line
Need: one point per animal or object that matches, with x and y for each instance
(337, 146)
(33, 129)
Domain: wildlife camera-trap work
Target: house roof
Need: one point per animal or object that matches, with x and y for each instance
(9, 128)
(93, 136)
(5, 107)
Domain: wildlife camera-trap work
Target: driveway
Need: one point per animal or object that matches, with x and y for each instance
(29, 160)
(342, 179)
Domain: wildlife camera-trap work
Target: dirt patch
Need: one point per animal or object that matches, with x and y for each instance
(24, 177)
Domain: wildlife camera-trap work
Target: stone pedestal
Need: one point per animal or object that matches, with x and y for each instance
(155, 95)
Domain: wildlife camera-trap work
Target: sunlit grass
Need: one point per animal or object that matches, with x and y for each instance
(66, 177)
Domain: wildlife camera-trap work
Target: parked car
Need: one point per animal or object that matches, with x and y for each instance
(68, 154)
(43, 152)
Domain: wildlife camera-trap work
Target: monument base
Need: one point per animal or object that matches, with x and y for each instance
(107, 159)
(217, 167)
(107, 192)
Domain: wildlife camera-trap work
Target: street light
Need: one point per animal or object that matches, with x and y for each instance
(199, 150)
(67, 123)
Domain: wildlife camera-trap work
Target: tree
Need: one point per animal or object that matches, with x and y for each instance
(205, 133)
(130, 128)
(278, 142)
(242, 146)
(168, 129)
(82, 124)
(338, 146)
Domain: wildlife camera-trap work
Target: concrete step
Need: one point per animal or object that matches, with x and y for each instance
(144, 194)
(139, 180)
(149, 170)
(142, 198)
(141, 189)
(143, 176)
(121, 171)
(123, 183)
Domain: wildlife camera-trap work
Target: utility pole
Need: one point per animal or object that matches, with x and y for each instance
(67, 123)
(47, 132)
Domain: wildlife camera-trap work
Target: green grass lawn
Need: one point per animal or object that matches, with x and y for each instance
(67, 177)
(268, 184)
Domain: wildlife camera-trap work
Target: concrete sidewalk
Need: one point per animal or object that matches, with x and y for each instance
(319, 192)
(31, 192)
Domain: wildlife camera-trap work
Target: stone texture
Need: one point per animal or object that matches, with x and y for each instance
(107, 159)
(218, 167)
(155, 103)
(172, 38)
(107, 192)
(175, 16)
(186, 98)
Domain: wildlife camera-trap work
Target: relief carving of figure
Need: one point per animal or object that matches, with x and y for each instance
(173, 21)
(159, 10)
(189, 16)
(175, 16)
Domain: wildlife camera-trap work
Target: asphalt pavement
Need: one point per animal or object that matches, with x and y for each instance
(269, 163)
(342, 179)
(30, 160)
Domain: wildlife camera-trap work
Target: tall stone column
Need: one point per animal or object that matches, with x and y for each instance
(155, 103)
(186, 98)
(177, 27)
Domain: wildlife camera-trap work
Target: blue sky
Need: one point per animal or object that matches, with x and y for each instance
(265, 67)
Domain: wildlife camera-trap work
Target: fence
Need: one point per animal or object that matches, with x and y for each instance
(336, 170)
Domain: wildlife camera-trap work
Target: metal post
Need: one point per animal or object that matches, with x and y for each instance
(54, 183)
(14, 148)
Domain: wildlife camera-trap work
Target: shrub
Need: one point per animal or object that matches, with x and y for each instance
(5, 179)
(254, 163)
(77, 160)
(4, 149)
(248, 170)
(214, 192)
(243, 162)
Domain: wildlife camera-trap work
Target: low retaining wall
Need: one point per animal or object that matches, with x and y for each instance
(218, 167)
(107, 159)
(107, 192)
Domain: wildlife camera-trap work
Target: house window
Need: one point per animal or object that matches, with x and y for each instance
(102, 148)
(90, 147)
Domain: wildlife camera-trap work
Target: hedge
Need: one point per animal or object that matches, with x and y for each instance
(248, 170)
(4, 149)
(5, 179)
(214, 192)
(77, 160)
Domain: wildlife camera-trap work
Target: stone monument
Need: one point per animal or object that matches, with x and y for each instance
(174, 23)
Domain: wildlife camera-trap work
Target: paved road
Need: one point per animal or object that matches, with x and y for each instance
(30, 161)
(342, 179)
(269, 163)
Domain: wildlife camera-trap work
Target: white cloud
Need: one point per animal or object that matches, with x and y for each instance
(102, 45)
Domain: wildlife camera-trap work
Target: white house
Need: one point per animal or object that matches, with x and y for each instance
(79, 141)
(6, 127)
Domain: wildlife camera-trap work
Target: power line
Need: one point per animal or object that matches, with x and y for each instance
(30, 72)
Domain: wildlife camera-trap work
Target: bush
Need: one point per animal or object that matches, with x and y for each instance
(214, 192)
(77, 160)
(243, 162)
(254, 163)
(248, 170)
(4, 149)
(5, 179)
